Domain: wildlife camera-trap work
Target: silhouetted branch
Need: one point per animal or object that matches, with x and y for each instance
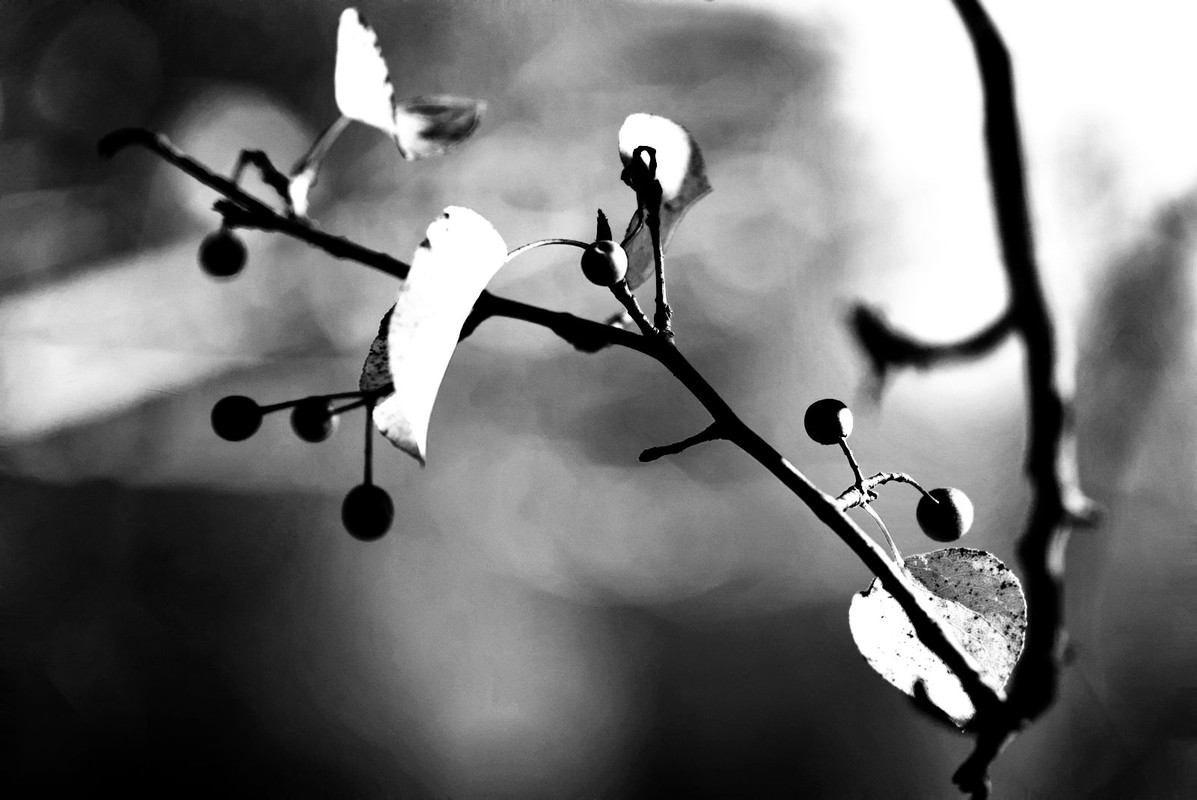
(708, 434)
(888, 347)
(855, 496)
(241, 209)
(1057, 501)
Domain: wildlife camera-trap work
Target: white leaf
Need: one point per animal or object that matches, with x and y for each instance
(980, 600)
(672, 144)
(363, 85)
(428, 126)
(461, 252)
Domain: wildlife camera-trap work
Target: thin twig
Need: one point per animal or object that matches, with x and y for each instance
(893, 546)
(243, 209)
(889, 347)
(708, 434)
(623, 293)
(523, 248)
(269, 173)
(862, 494)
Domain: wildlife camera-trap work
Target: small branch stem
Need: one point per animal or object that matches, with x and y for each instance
(315, 154)
(335, 396)
(863, 493)
(664, 314)
(368, 469)
(709, 434)
(623, 293)
(888, 347)
(271, 176)
(855, 466)
(893, 547)
(523, 248)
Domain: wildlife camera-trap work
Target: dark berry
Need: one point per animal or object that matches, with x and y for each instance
(604, 263)
(222, 254)
(312, 419)
(946, 515)
(367, 512)
(236, 417)
(828, 421)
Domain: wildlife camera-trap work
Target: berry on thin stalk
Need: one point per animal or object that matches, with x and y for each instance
(367, 512)
(236, 418)
(222, 254)
(604, 263)
(828, 421)
(944, 514)
(312, 419)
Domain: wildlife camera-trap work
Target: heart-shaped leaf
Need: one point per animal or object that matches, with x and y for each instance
(428, 126)
(981, 601)
(683, 179)
(362, 82)
(460, 253)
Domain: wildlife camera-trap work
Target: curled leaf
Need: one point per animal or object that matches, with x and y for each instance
(979, 598)
(428, 126)
(376, 372)
(460, 253)
(682, 175)
(361, 80)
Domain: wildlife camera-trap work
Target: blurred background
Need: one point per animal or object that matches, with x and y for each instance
(549, 618)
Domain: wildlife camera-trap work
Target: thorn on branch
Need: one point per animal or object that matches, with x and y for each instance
(710, 434)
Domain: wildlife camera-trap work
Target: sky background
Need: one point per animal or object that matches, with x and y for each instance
(548, 617)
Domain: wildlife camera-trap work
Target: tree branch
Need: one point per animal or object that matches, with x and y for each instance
(888, 347)
(1051, 462)
(708, 434)
(243, 209)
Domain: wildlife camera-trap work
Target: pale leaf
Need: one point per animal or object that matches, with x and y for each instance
(428, 126)
(362, 82)
(461, 252)
(981, 602)
(682, 175)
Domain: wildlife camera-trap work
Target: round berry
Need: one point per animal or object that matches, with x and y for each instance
(236, 417)
(945, 515)
(367, 512)
(828, 421)
(312, 419)
(604, 263)
(222, 254)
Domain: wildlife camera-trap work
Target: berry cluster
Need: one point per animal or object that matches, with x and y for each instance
(943, 514)
(367, 511)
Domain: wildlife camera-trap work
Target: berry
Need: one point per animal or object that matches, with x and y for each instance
(312, 419)
(949, 518)
(604, 263)
(367, 512)
(222, 254)
(236, 417)
(828, 421)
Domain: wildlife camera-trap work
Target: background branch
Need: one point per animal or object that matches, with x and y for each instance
(245, 210)
(1051, 464)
